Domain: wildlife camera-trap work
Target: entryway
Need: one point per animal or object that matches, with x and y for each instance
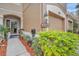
(13, 23)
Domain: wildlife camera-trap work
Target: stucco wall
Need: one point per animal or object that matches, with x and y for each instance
(11, 9)
(59, 10)
(1, 20)
(32, 17)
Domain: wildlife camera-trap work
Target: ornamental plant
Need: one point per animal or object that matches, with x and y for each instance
(3, 31)
(53, 43)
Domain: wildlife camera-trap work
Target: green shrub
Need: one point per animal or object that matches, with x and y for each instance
(25, 36)
(3, 31)
(53, 43)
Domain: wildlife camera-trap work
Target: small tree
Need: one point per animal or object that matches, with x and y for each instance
(3, 31)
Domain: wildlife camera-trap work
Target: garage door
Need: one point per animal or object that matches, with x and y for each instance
(56, 23)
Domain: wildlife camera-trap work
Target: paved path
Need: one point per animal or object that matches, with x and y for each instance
(16, 48)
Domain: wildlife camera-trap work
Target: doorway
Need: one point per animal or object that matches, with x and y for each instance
(13, 23)
(14, 26)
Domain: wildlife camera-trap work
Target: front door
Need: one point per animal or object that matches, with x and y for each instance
(14, 26)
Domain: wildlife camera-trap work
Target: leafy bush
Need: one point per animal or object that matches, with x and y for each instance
(69, 31)
(53, 43)
(4, 30)
(26, 35)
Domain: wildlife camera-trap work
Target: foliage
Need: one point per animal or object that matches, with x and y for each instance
(36, 47)
(53, 43)
(4, 30)
(26, 36)
(69, 31)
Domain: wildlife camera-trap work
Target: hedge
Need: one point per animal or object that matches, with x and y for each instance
(53, 43)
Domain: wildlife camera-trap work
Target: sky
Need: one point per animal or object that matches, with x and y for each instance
(71, 7)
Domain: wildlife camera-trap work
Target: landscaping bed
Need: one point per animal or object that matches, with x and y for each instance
(52, 43)
(3, 47)
(27, 46)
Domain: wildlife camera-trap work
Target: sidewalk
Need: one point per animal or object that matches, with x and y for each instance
(16, 48)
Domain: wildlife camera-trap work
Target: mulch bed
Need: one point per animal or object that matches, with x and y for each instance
(27, 46)
(3, 48)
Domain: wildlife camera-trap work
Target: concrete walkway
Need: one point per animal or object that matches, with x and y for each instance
(16, 48)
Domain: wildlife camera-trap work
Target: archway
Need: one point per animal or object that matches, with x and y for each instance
(13, 22)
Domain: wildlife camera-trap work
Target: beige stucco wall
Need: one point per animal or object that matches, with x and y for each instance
(32, 14)
(32, 17)
(11, 9)
(55, 8)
